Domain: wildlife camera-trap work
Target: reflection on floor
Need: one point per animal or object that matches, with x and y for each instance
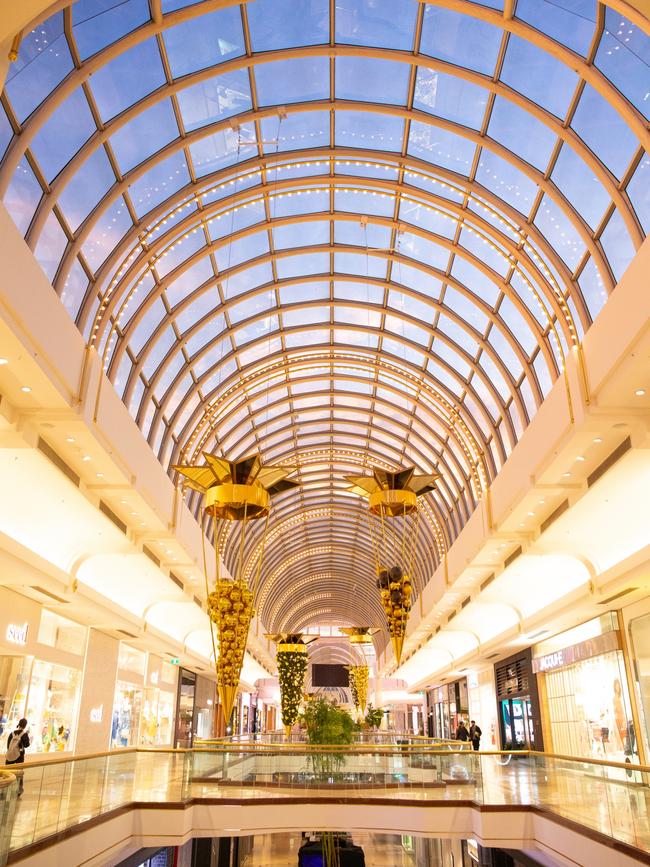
(380, 850)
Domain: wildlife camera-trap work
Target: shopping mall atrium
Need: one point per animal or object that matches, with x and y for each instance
(324, 433)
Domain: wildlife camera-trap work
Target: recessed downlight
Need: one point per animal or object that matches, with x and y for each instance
(69, 439)
(640, 392)
(598, 439)
(580, 458)
(26, 389)
(99, 475)
(566, 475)
(86, 458)
(4, 361)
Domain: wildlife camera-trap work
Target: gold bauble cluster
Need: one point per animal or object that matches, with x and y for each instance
(292, 664)
(230, 608)
(395, 589)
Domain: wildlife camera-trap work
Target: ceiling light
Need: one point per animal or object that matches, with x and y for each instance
(640, 392)
(580, 458)
(566, 475)
(85, 458)
(531, 514)
(69, 439)
(522, 524)
(598, 439)
(26, 389)
(3, 361)
(100, 475)
(541, 503)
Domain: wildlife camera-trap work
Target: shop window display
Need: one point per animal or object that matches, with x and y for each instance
(640, 636)
(126, 715)
(52, 706)
(157, 718)
(14, 684)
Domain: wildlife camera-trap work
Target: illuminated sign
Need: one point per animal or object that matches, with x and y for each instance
(551, 660)
(17, 634)
(175, 660)
(595, 646)
(96, 713)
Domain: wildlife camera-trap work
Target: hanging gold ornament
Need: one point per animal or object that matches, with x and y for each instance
(393, 518)
(359, 675)
(291, 657)
(359, 635)
(233, 491)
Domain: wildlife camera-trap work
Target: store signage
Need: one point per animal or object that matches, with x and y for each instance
(96, 713)
(596, 646)
(17, 634)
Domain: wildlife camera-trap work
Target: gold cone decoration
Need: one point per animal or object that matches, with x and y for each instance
(393, 497)
(291, 657)
(234, 491)
(359, 685)
(359, 634)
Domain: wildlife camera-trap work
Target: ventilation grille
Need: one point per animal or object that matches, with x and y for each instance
(466, 602)
(128, 634)
(150, 554)
(492, 656)
(58, 462)
(511, 559)
(555, 514)
(49, 594)
(609, 462)
(105, 509)
(177, 581)
(512, 678)
(618, 595)
(487, 581)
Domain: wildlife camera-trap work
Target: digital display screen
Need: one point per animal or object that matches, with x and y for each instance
(329, 675)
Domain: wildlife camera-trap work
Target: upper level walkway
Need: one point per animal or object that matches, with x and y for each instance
(439, 787)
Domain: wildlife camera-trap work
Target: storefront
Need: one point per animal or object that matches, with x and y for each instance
(637, 619)
(446, 706)
(197, 706)
(129, 693)
(518, 703)
(41, 659)
(159, 699)
(583, 682)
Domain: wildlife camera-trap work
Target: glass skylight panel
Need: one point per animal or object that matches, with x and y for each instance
(603, 129)
(301, 235)
(624, 56)
(105, 234)
(364, 339)
(539, 76)
(137, 336)
(256, 330)
(160, 182)
(428, 252)
(303, 263)
(312, 291)
(287, 23)
(484, 252)
(206, 303)
(379, 23)
(367, 79)
(300, 79)
(98, 23)
(415, 278)
(6, 131)
(427, 218)
(241, 250)
(440, 147)
(365, 170)
(306, 316)
(560, 232)
(505, 353)
(368, 130)
(51, 244)
(178, 394)
(74, 289)
(494, 375)
(356, 263)
(361, 201)
(207, 335)
(236, 220)
(222, 149)
(127, 78)
(370, 235)
(311, 337)
(141, 137)
(519, 327)
(309, 129)
(569, 22)
(43, 61)
(247, 278)
(412, 306)
(94, 178)
(365, 317)
(213, 37)
(63, 134)
(617, 245)
(195, 276)
(577, 182)
(638, 189)
(311, 201)
(475, 280)
(460, 39)
(459, 334)
(182, 251)
(348, 291)
(22, 196)
(450, 97)
(466, 309)
(407, 330)
(521, 132)
(443, 350)
(215, 99)
(592, 288)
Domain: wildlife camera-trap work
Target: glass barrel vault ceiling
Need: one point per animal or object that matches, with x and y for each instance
(340, 233)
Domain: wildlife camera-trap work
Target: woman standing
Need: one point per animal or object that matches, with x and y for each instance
(17, 743)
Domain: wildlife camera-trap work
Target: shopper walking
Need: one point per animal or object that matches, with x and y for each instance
(475, 734)
(461, 732)
(17, 743)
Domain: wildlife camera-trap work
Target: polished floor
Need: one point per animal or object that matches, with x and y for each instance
(64, 795)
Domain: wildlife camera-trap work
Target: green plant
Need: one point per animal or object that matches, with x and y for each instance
(374, 716)
(328, 725)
